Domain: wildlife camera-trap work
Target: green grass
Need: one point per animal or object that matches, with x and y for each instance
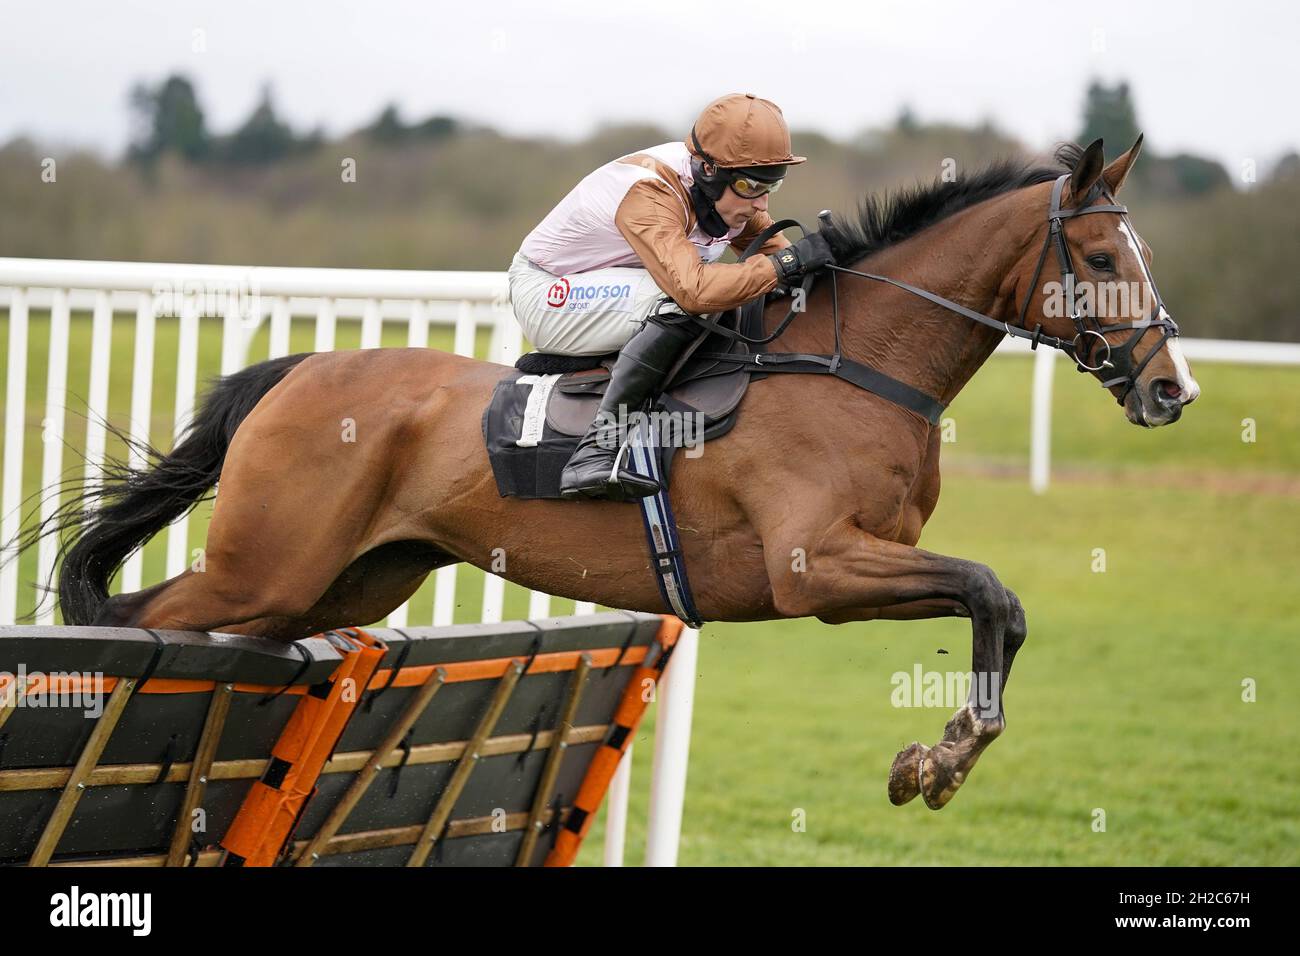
(1126, 698)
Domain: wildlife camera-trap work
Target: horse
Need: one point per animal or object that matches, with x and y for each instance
(343, 479)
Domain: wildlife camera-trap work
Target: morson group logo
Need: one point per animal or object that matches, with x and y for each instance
(557, 293)
(579, 297)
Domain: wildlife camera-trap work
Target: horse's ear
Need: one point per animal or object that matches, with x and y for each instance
(1085, 174)
(1118, 171)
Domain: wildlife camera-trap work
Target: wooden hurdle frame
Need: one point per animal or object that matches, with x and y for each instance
(315, 678)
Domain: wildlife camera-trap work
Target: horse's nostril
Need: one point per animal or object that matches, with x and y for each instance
(1166, 391)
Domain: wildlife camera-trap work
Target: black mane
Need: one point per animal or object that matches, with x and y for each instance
(884, 220)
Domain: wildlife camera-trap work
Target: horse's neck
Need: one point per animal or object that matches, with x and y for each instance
(966, 258)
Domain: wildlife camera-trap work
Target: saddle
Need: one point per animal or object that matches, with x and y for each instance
(541, 408)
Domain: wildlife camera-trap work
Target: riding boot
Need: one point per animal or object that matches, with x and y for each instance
(640, 368)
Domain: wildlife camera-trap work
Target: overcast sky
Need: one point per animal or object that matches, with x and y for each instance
(1214, 78)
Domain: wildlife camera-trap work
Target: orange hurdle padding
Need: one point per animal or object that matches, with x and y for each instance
(266, 820)
(604, 764)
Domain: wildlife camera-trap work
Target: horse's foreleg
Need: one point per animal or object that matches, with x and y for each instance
(940, 607)
(908, 611)
(1015, 635)
(851, 574)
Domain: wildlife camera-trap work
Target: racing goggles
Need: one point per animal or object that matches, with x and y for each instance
(748, 186)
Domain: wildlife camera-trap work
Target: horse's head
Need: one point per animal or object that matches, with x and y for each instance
(1105, 298)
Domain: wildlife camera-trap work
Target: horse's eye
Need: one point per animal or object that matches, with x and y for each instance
(1101, 263)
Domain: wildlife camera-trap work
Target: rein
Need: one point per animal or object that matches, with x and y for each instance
(1090, 334)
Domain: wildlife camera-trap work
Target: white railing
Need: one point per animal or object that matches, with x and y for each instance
(243, 299)
(1196, 350)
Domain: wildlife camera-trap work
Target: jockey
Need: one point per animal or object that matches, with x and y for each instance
(648, 225)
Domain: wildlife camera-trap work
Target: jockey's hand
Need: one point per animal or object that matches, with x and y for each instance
(807, 255)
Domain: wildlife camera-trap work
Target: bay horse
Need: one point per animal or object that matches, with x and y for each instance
(344, 478)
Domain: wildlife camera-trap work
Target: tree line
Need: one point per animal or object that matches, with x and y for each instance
(445, 193)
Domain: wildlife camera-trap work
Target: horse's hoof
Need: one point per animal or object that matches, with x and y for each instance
(938, 782)
(904, 775)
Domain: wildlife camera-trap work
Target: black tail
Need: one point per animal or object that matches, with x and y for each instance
(109, 521)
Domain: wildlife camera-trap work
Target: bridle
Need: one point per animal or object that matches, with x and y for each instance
(1090, 334)
(1089, 338)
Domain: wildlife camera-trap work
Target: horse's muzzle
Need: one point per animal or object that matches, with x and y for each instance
(1159, 402)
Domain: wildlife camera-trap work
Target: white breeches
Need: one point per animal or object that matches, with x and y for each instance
(584, 313)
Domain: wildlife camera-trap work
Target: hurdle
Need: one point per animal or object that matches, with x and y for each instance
(462, 745)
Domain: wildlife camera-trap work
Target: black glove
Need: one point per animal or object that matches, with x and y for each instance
(807, 255)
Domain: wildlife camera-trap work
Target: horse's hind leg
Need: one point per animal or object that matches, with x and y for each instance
(235, 599)
(368, 590)
(309, 485)
(273, 576)
(282, 532)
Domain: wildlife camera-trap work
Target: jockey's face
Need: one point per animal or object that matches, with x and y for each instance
(736, 210)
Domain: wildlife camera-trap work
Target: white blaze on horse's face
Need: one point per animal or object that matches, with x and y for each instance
(1188, 389)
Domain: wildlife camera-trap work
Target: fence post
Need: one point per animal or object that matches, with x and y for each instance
(616, 802)
(1040, 424)
(15, 423)
(672, 751)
